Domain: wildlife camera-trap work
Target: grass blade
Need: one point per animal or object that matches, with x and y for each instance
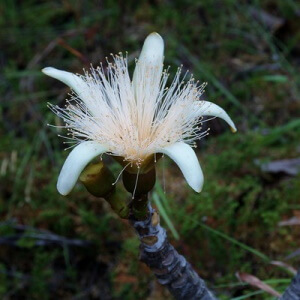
(164, 215)
(235, 242)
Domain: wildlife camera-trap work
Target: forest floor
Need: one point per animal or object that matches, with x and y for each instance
(248, 214)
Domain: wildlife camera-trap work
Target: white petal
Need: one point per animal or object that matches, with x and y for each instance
(76, 83)
(77, 160)
(151, 56)
(153, 50)
(206, 108)
(184, 156)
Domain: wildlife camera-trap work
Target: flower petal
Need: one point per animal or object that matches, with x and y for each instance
(206, 108)
(77, 160)
(153, 50)
(184, 156)
(73, 81)
(150, 63)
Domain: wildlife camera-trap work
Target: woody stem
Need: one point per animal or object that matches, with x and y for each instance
(170, 268)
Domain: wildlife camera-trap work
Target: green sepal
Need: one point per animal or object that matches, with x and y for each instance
(98, 179)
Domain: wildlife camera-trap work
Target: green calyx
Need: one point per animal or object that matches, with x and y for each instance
(140, 183)
(99, 181)
(138, 179)
(139, 167)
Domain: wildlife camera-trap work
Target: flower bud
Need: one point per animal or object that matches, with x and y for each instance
(139, 184)
(98, 179)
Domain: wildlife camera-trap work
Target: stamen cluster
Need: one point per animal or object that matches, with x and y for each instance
(133, 121)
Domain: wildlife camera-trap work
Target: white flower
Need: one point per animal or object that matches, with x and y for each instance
(109, 113)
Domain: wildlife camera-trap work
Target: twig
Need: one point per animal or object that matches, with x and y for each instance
(41, 237)
(43, 240)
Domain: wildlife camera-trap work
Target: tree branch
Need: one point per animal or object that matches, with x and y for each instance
(293, 290)
(170, 268)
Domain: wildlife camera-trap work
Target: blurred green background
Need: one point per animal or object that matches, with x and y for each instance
(248, 213)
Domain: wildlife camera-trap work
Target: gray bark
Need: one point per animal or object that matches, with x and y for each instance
(170, 268)
(293, 290)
